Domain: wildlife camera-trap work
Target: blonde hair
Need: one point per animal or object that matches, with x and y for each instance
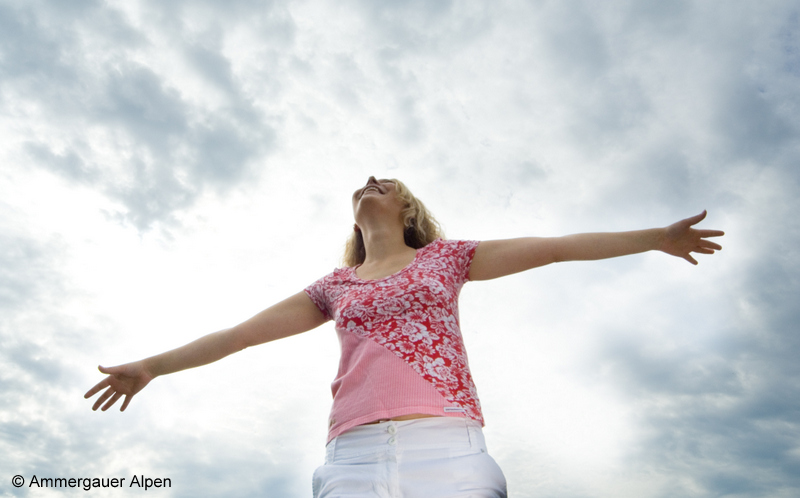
(421, 228)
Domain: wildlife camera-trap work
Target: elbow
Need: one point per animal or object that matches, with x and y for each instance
(559, 250)
(237, 340)
(553, 255)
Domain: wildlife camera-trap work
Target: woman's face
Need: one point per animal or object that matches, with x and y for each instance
(383, 192)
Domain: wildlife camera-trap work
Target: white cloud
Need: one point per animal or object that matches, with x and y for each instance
(171, 168)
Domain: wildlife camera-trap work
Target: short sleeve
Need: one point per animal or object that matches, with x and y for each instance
(319, 295)
(460, 254)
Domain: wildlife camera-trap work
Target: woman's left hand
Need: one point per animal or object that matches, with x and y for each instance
(680, 239)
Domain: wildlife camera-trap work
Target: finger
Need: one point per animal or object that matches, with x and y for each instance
(110, 370)
(710, 245)
(690, 259)
(703, 250)
(128, 398)
(710, 233)
(103, 397)
(100, 385)
(111, 402)
(696, 219)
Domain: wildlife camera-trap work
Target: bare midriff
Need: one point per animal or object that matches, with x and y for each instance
(412, 416)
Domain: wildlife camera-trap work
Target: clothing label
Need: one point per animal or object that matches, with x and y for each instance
(453, 409)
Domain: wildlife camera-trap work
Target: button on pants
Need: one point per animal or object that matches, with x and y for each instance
(441, 457)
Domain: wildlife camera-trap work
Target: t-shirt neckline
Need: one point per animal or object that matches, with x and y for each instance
(398, 272)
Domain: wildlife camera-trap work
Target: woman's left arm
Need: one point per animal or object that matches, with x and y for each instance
(497, 258)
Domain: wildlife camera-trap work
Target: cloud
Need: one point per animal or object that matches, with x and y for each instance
(104, 119)
(412, 27)
(722, 401)
(47, 429)
(243, 127)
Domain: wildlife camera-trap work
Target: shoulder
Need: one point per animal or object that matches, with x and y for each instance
(336, 277)
(453, 247)
(452, 256)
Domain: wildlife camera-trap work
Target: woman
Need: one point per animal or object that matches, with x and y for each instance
(406, 420)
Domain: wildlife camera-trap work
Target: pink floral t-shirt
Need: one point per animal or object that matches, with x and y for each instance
(402, 350)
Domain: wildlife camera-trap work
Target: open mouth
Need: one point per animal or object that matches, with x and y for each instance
(371, 187)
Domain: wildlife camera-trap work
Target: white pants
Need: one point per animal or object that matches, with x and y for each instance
(439, 457)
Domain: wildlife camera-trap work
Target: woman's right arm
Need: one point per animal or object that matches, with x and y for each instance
(289, 317)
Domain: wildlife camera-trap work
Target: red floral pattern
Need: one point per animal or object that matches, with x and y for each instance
(413, 313)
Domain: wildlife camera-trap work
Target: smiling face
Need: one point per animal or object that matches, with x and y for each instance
(377, 195)
(374, 186)
(388, 202)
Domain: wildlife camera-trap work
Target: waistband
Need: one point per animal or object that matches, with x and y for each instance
(436, 436)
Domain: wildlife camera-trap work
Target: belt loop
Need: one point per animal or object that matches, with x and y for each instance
(330, 451)
(476, 439)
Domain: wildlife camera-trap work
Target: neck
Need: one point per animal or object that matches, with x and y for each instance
(383, 242)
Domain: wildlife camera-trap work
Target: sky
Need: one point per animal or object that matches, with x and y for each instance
(169, 169)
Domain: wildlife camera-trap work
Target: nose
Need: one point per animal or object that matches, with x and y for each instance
(372, 180)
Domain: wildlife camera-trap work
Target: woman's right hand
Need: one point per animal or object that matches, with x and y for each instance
(127, 380)
(291, 316)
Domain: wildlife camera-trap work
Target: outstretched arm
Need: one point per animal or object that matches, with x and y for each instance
(289, 317)
(497, 258)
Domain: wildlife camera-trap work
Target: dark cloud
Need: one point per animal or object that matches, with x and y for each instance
(213, 66)
(790, 43)
(68, 164)
(728, 408)
(576, 39)
(165, 151)
(667, 18)
(730, 99)
(136, 100)
(752, 124)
